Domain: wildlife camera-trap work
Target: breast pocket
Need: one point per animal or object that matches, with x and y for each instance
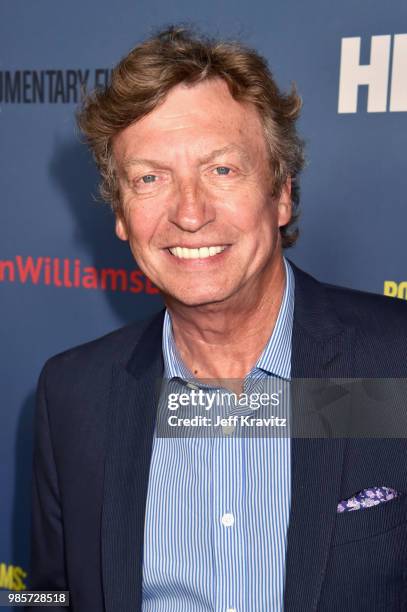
(364, 523)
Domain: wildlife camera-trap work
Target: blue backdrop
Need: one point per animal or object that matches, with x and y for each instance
(349, 61)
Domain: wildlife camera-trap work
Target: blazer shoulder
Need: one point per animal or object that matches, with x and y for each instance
(320, 303)
(381, 331)
(96, 357)
(379, 325)
(368, 311)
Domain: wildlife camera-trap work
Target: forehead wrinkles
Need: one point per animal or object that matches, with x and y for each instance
(190, 142)
(192, 124)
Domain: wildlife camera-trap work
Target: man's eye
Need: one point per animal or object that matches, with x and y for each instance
(148, 178)
(222, 170)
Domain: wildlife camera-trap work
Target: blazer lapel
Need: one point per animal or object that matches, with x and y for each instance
(320, 349)
(133, 404)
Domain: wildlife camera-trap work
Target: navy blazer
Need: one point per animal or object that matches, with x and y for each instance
(93, 440)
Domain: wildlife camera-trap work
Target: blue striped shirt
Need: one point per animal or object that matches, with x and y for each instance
(217, 508)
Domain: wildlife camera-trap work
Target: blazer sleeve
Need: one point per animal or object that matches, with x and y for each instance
(48, 570)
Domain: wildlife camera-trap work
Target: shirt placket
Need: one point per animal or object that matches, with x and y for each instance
(228, 524)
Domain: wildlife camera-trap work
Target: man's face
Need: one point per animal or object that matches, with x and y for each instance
(194, 174)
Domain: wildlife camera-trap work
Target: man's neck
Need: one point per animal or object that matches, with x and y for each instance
(223, 341)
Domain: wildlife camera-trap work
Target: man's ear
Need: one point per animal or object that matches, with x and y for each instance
(121, 229)
(285, 204)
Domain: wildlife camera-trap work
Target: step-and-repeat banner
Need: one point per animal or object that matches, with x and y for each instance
(64, 276)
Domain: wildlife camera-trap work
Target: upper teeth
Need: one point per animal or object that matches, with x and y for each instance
(200, 253)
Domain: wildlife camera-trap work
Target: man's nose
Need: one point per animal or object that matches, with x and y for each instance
(191, 209)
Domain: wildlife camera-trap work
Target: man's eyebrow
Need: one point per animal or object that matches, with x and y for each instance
(228, 149)
(141, 161)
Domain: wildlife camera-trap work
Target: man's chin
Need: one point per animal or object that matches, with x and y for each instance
(193, 298)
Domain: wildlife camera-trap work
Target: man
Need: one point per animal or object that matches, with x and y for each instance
(200, 159)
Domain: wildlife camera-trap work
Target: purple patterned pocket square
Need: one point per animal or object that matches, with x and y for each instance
(367, 498)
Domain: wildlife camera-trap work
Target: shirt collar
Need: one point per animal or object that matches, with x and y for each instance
(276, 356)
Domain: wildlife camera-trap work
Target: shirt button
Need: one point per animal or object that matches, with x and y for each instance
(227, 520)
(227, 430)
(231, 610)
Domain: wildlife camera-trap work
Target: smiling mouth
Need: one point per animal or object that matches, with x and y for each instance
(200, 253)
